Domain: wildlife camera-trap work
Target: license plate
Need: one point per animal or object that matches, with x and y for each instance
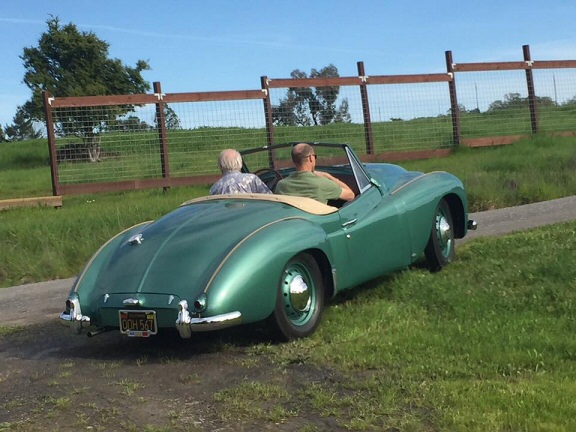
(140, 323)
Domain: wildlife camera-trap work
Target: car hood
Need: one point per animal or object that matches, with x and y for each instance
(179, 253)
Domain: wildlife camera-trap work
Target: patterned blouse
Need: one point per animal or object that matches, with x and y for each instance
(236, 182)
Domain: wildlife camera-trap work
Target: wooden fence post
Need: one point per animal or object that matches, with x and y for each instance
(162, 132)
(269, 119)
(368, 135)
(455, 110)
(531, 90)
(51, 142)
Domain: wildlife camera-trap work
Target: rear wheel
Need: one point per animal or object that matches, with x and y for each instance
(440, 249)
(300, 298)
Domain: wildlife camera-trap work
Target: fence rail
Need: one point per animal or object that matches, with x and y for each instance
(121, 142)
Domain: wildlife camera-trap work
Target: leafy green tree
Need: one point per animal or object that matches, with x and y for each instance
(514, 100)
(343, 113)
(22, 127)
(172, 120)
(132, 123)
(305, 106)
(68, 63)
(2, 136)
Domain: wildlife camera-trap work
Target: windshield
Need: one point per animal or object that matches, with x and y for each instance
(271, 163)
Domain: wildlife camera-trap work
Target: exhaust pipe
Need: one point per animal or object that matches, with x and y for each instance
(97, 332)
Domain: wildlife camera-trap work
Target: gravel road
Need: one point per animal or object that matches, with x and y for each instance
(43, 301)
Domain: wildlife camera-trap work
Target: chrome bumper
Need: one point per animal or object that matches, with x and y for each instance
(472, 224)
(187, 325)
(72, 317)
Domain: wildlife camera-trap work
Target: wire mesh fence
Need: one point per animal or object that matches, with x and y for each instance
(557, 99)
(493, 104)
(159, 140)
(123, 149)
(206, 128)
(412, 116)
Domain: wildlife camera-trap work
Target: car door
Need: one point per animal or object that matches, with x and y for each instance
(375, 239)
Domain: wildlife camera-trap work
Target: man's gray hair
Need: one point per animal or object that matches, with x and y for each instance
(229, 160)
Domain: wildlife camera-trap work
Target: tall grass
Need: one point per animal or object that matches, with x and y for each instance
(528, 171)
(43, 243)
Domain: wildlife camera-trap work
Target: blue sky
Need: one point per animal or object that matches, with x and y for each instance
(228, 45)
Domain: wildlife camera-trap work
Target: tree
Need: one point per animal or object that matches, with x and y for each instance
(68, 63)
(172, 120)
(132, 123)
(305, 106)
(2, 136)
(22, 127)
(514, 100)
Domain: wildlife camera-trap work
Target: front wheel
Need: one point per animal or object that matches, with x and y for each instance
(300, 298)
(440, 249)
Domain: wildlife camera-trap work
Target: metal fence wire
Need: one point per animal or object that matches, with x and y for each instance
(103, 143)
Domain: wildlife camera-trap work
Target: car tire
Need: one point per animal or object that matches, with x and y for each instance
(440, 249)
(300, 299)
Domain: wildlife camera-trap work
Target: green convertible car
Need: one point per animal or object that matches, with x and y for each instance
(224, 260)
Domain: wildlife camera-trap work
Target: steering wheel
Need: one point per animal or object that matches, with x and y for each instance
(271, 182)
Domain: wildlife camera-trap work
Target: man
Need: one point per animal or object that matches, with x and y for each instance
(233, 181)
(305, 181)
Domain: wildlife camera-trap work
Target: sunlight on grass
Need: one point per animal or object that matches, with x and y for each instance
(486, 345)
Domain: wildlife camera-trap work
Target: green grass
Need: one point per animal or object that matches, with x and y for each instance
(534, 170)
(485, 345)
(61, 241)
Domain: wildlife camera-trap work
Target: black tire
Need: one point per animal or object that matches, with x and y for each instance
(440, 249)
(300, 299)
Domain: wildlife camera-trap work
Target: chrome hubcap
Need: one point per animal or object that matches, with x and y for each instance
(298, 296)
(444, 234)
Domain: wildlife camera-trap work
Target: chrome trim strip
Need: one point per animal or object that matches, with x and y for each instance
(410, 182)
(240, 243)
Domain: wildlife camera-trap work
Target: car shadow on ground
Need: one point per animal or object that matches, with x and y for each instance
(53, 340)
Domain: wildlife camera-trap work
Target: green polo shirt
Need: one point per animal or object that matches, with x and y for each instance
(308, 184)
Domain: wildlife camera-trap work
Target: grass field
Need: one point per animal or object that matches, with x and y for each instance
(485, 345)
(529, 171)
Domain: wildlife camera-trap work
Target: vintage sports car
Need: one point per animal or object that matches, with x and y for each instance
(224, 260)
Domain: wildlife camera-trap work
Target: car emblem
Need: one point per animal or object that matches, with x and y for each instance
(136, 239)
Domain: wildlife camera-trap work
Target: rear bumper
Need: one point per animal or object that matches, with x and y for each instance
(187, 325)
(72, 317)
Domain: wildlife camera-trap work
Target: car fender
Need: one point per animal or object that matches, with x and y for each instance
(247, 279)
(420, 204)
